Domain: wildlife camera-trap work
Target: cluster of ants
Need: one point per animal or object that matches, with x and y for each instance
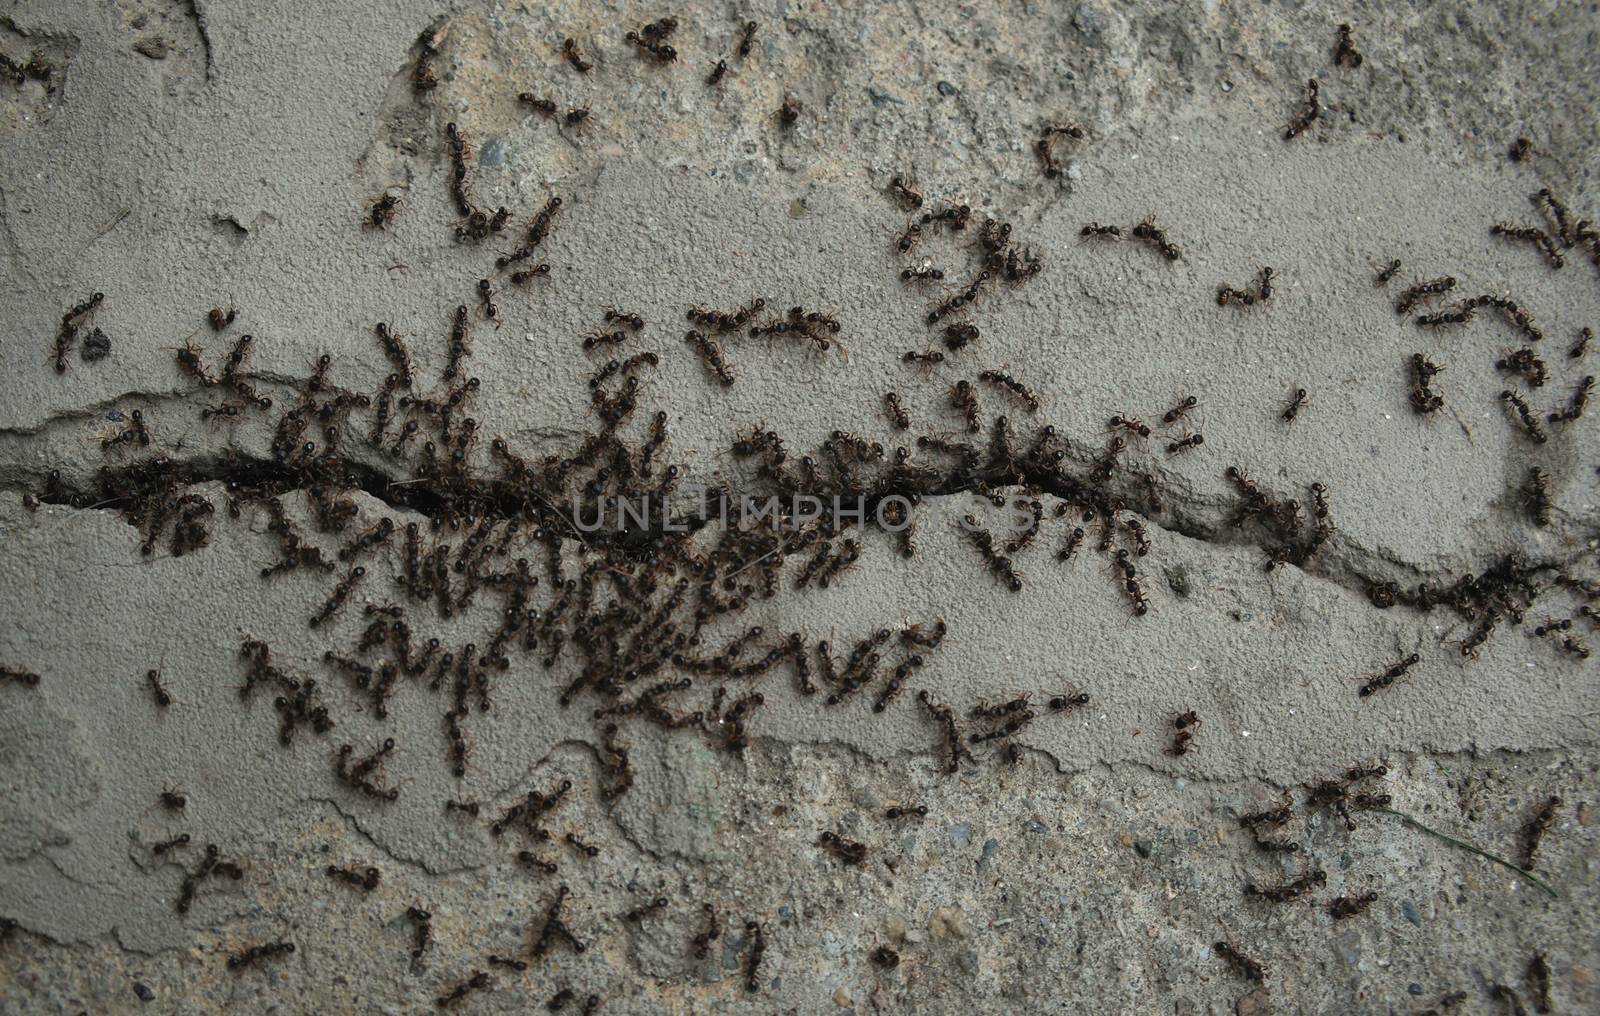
(639, 601)
(1354, 792)
(1524, 363)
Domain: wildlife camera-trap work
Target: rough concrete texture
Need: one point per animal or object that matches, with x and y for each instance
(185, 155)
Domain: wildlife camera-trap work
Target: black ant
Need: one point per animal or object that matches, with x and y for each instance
(153, 679)
(789, 112)
(167, 846)
(905, 193)
(172, 800)
(1184, 727)
(379, 216)
(569, 50)
(1533, 830)
(1179, 411)
(1579, 402)
(747, 36)
(1344, 907)
(1389, 676)
(366, 879)
(711, 356)
(1242, 965)
(1307, 115)
(897, 411)
(577, 117)
(1012, 385)
(717, 72)
(1387, 272)
(964, 399)
(1344, 51)
(540, 105)
(1530, 423)
(1296, 402)
(1156, 237)
(1187, 443)
(1095, 231)
(257, 953)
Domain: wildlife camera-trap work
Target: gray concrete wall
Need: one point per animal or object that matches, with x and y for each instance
(189, 155)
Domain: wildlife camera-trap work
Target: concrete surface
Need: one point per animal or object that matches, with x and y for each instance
(190, 155)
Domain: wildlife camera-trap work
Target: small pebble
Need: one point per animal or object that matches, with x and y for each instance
(1409, 911)
(946, 88)
(144, 993)
(154, 47)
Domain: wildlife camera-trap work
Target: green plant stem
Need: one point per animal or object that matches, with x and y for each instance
(1469, 847)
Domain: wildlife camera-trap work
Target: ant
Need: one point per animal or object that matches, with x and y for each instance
(712, 932)
(1012, 385)
(366, 879)
(1536, 493)
(1095, 231)
(168, 846)
(1307, 115)
(1344, 52)
(1581, 347)
(379, 215)
(758, 946)
(256, 953)
(577, 117)
(717, 72)
(172, 800)
(477, 982)
(1184, 727)
(644, 910)
(1579, 402)
(1424, 291)
(1242, 965)
(1387, 272)
(1296, 401)
(221, 319)
(1533, 830)
(1187, 443)
(1179, 411)
(847, 851)
(897, 411)
(964, 399)
(1530, 423)
(959, 336)
(789, 112)
(1289, 891)
(1389, 676)
(540, 105)
(153, 679)
(632, 321)
(1344, 907)
(1132, 424)
(569, 50)
(1151, 234)
(529, 274)
(747, 36)
(908, 240)
(925, 272)
(711, 356)
(906, 811)
(905, 193)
